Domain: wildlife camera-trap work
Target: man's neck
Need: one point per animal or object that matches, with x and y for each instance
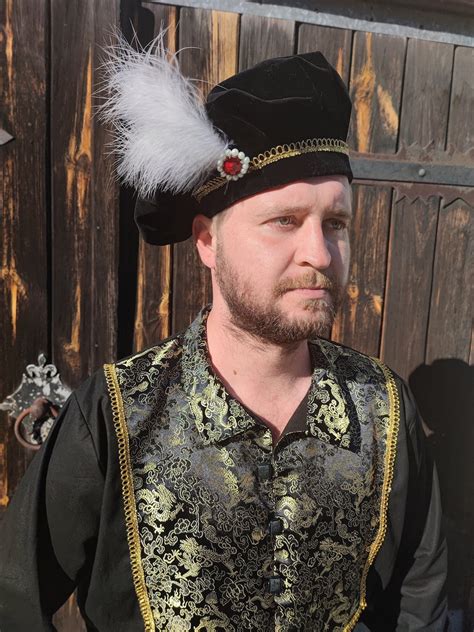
(247, 364)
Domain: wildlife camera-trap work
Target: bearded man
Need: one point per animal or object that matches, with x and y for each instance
(247, 473)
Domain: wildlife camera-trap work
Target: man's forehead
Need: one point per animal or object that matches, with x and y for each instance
(315, 193)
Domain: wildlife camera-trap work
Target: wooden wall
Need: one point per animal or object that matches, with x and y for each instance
(76, 283)
(58, 210)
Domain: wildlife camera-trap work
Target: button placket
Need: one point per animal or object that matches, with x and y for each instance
(264, 475)
(276, 584)
(281, 554)
(265, 471)
(275, 526)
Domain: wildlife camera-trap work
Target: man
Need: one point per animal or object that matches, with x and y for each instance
(245, 474)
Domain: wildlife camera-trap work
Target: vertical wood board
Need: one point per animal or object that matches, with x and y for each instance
(105, 211)
(409, 276)
(85, 207)
(335, 44)
(85, 225)
(375, 87)
(452, 300)
(262, 38)
(23, 213)
(71, 154)
(426, 93)
(461, 113)
(359, 321)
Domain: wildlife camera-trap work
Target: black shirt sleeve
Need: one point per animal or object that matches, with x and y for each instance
(407, 584)
(423, 587)
(48, 535)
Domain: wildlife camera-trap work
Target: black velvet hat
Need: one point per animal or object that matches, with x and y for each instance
(283, 120)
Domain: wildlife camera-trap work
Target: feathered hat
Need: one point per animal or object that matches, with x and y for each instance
(283, 120)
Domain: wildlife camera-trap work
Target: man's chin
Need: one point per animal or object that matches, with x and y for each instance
(316, 305)
(312, 317)
(304, 323)
(304, 306)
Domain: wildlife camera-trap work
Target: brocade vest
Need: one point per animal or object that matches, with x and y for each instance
(229, 532)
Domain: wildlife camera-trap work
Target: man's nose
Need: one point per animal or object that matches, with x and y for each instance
(313, 247)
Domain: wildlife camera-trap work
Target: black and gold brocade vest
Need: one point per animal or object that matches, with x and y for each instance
(228, 532)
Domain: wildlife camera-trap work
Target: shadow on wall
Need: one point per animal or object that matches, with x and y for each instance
(444, 392)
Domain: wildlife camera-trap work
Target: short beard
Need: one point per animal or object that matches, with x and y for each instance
(268, 322)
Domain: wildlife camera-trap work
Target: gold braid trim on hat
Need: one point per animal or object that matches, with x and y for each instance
(274, 154)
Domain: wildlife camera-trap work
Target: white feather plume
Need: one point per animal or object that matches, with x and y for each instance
(163, 137)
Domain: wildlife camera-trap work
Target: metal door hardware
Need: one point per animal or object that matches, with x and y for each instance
(36, 402)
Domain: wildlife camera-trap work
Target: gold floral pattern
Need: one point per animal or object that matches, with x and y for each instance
(203, 511)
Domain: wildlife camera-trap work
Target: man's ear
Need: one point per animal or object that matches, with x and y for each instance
(204, 236)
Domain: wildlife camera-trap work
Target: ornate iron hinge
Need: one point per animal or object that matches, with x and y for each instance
(36, 402)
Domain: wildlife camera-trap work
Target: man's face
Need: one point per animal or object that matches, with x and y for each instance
(282, 259)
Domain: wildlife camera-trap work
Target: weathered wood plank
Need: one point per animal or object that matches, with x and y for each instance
(153, 302)
(262, 38)
(71, 142)
(375, 87)
(449, 330)
(426, 91)
(424, 119)
(214, 36)
(153, 310)
(85, 223)
(408, 287)
(359, 322)
(460, 127)
(23, 213)
(85, 208)
(105, 208)
(71, 157)
(335, 44)
(450, 318)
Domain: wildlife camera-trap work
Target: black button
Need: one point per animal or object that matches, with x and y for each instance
(275, 526)
(265, 471)
(275, 585)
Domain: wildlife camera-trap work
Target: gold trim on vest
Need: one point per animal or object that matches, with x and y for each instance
(390, 455)
(126, 476)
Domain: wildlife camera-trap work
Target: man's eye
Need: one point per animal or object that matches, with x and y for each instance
(337, 224)
(284, 221)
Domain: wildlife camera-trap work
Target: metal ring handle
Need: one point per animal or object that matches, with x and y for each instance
(41, 404)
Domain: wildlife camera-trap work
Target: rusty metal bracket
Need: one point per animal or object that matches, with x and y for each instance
(403, 171)
(425, 165)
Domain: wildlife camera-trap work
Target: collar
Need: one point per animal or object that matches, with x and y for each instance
(220, 417)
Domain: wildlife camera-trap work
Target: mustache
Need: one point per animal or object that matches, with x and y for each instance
(314, 279)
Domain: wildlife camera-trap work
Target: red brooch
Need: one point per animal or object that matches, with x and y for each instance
(233, 165)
